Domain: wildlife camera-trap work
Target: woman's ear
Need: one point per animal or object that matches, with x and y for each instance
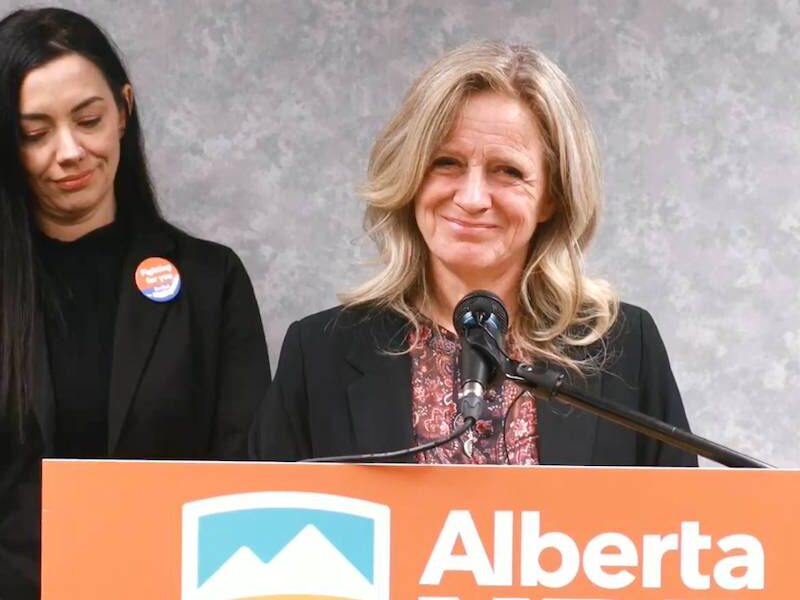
(126, 110)
(546, 209)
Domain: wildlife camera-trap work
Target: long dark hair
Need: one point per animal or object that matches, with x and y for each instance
(30, 39)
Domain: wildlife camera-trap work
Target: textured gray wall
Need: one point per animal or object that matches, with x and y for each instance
(259, 117)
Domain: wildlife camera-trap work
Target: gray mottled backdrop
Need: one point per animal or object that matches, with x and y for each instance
(259, 117)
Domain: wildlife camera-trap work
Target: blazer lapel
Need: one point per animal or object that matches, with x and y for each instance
(44, 404)
(380, 399)
(567, 433)
(137, 325)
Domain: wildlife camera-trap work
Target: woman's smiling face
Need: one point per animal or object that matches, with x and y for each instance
(485, 192)
(71, 127)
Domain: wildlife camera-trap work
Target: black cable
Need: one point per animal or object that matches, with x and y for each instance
(496, 344)
(516, 398)
(377, 456)
(505, 422)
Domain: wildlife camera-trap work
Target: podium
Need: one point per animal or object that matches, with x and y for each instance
(212, 530)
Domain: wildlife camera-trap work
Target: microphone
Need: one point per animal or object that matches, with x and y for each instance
(477, 315)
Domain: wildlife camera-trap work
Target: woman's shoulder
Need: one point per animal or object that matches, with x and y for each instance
(633, 338)
(204, 257)
(632, 321)
(194, 246)
(344, 318)
(348, 322)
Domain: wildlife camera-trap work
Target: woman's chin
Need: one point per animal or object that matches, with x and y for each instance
(471, 266)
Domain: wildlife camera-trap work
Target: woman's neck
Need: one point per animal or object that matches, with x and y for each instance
(70, 228)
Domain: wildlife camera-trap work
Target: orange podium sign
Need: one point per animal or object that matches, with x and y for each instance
(212, 531)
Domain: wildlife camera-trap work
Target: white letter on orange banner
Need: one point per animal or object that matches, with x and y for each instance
(503, 547)
(459, 525)
(752, 561)
(655, 547)
(692, 542)
(532, 544)
(595, 559)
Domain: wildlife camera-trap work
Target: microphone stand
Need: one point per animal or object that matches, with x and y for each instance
(539, 378)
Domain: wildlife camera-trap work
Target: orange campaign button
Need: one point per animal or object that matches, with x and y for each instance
(158, 279)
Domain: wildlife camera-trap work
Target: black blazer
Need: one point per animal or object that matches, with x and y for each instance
(186, 378)
(338, 391)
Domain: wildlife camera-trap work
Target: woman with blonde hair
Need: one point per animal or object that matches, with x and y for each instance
(487, 178)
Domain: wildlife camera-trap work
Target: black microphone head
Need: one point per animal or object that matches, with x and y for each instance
(480, 308)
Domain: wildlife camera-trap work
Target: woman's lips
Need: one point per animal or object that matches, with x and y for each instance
(75, 182)
(467, 225)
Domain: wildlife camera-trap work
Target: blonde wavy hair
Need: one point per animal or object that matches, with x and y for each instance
(560, 308)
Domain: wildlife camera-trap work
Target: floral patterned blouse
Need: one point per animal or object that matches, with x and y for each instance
(508, 436)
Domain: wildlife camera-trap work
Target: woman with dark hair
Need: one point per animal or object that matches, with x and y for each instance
(120, 336)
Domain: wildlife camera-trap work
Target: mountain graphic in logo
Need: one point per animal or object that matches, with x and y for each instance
(281, 545)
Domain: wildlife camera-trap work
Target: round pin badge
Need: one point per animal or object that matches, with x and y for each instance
(158, 279)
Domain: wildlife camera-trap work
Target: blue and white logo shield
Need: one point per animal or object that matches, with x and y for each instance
(280, 545)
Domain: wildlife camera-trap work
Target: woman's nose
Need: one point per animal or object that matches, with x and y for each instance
(69, 149)
(473, 194)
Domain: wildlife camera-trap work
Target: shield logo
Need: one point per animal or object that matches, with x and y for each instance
(279, 545)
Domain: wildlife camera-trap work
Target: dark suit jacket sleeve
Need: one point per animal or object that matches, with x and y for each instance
(659, 398)
(280, 430)
(243, 363)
